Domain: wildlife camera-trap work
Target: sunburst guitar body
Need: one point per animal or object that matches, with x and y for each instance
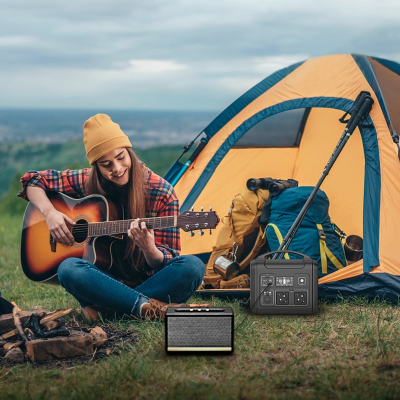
(99, 223)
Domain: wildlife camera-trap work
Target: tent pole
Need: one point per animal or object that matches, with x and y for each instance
(194, 155)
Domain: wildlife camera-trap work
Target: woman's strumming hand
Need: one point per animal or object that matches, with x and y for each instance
(144, 238)
(56, 223)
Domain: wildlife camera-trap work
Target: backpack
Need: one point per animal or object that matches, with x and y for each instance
(316, 235)
(240, 225)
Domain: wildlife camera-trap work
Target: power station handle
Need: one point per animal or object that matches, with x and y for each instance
(305, 256)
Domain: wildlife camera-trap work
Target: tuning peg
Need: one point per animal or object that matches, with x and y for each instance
(192, 208)
(201, 233)
(191, 234)
(210, 232)
(201, 209)
(210, 208)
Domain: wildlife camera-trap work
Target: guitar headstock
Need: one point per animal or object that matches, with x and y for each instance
(198, 220)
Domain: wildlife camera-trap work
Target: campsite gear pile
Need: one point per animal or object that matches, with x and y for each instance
(243, 234)
(41, 335)
(295, 284)
(288, 125)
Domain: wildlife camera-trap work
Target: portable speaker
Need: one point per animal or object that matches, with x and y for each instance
(199, 329)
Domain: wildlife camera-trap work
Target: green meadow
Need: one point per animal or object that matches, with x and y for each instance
(349, 350)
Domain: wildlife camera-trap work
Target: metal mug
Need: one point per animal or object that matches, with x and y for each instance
(226, 266)
(353, 248)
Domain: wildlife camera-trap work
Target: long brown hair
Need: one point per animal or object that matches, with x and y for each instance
(96, 184)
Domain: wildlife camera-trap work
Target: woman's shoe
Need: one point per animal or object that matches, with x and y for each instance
(90, 314)
(156, 309)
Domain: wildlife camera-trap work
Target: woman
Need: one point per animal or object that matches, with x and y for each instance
(148, 273)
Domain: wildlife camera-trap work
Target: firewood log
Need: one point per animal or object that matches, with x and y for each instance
(48, 326)
(18, 324)
(55, 315)
(9, 335)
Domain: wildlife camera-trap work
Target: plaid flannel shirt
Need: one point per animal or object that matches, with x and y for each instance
(161, 200)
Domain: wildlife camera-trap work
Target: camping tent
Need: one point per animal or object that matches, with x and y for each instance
(287, 127)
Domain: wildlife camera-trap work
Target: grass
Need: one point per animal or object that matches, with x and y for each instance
(349, 350)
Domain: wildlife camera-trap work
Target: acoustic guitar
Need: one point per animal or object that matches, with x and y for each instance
(99, 223)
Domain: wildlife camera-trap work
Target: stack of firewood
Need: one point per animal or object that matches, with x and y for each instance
(41, 335)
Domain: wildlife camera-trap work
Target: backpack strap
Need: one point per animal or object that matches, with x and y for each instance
(260, 241)
(279, 236)
(323, 248)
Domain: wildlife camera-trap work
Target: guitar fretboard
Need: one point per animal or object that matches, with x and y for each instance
(118, 227)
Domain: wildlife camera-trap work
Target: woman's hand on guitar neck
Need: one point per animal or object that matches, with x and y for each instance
(144, 238)
(56, 223)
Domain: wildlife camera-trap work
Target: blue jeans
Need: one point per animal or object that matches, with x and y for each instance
(174, 283)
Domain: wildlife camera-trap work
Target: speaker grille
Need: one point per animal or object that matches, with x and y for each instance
(199, 331)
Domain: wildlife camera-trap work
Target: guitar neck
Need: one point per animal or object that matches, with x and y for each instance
(122, 226)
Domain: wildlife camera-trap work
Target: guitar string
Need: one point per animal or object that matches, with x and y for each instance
(85, 227)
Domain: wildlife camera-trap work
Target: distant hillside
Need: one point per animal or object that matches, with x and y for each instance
(21, 157)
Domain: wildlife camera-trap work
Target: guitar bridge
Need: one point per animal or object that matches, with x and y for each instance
(53, 244)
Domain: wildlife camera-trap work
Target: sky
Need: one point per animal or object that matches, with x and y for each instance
(175, 54)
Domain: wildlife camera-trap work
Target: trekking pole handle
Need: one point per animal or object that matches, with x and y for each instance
(361, 114)
(358, 102)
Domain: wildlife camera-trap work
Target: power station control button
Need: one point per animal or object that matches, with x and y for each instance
(302, 280)
(267, 298)
(267, 280)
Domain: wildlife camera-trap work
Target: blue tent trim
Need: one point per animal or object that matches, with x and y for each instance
(372, 201)
(243, 101)
(369, 74)
(384, 285)
(372, 185)
(175, 168)
(393, 66)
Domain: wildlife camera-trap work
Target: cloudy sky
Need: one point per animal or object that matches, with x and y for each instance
(175, 54)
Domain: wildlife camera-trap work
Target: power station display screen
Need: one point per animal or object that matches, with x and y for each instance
(284, 281)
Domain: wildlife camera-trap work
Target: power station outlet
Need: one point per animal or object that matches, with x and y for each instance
(300, 298)
(282, 298)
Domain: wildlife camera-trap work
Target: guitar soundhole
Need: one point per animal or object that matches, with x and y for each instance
(80, 231)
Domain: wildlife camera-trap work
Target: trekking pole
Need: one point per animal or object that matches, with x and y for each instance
(362, 106)
(194, 155)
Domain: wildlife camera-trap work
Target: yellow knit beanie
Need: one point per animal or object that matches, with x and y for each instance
(101, 135)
